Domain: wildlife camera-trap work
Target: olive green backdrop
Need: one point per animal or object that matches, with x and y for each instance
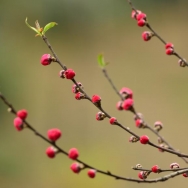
(85, 29)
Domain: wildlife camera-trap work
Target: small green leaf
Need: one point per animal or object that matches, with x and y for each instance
(34, 29)
(101, 62)
(49, 26)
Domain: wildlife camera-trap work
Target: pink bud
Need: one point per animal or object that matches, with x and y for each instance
(126, 93)
(185, 174)
(169, 45)
(144, 139)
(127, 104)
(133, 14)
(155, 169)
(75, 167)
(54, 134)
(141, 16)
(169, 51)
(73, 153)
(22, 114)
(91, 173)
(76, 89)
(18, 123)
(96, 99)
(142, 175)
(146, 35)
(79, 96)
(100, 116)
(113, 120)
(119, 105)
(46, 59)
(141, 22)
(174, 165)
(69, 74)
(51, 152)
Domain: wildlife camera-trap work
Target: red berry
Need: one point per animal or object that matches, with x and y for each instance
(144, 139)
(22, 114)
(185, 174)
(96, 99)
(113, 120)
(141, 16)
(174, 165)
(133, 14)
(169, 45)
(18, 123)
(141, 22)
(146, 35)
(100, 116)
(51, 152)
(169, 51)
(69, 74)
(46, 59)
(126, 93)
(91, 173)
(127, 104)
(75, 167)
(73, 153)
(119, 105)
(54, 134)
(155, 169)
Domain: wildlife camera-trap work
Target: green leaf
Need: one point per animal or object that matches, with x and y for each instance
(49, 26)
(101, 61)
(34, 29)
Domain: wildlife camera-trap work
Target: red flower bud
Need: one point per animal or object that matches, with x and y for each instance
(113, 120)
(75, 167)
(54, 134)
(91, 173)
(73, 153)
(51, 152)
(119, 105)
(146, 35)
(18, 123)
(46, 59)
(69, 74)
(144, 139)
(141, 16)
(127, 104)
(155, 169)
(134, 13)
(126, 93)
(142, 175)
(96, 99)
(22, 114)
(141, 22)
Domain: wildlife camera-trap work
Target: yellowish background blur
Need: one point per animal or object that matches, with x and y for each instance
(85, 29)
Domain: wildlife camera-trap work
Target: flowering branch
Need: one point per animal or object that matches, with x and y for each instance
(77, 167)
(142, 21)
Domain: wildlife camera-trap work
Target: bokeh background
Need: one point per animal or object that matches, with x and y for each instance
(85, 29)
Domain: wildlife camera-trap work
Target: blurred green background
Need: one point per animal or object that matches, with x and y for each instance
(85, 29)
